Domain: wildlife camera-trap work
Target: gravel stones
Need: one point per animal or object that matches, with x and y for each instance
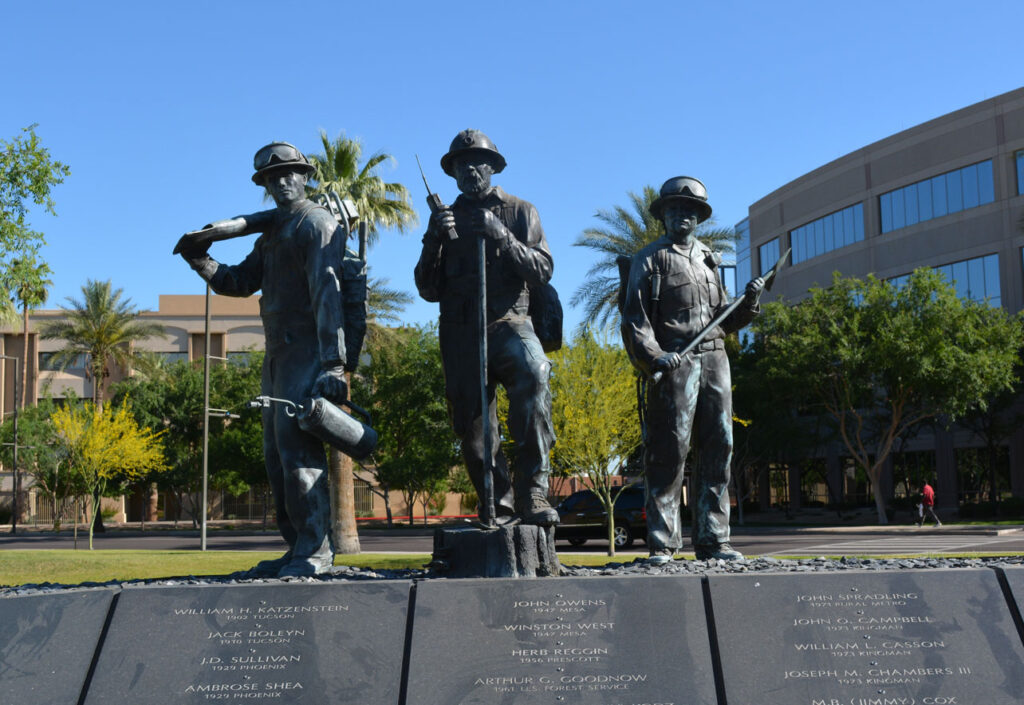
(639, 566)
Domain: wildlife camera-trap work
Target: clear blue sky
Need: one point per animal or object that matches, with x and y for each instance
(159, 107)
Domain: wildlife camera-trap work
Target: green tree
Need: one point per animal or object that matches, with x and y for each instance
(39, 454)
(236, 444)
(880, 360)
(380, 204)
(27, 175)
(769, 424)
(994, 421)
(595, 416)
(103, 327)
(403, 388)
(106, 446)
(172, 400)
(624, 231)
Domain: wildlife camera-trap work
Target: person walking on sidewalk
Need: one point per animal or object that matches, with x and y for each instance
(927, 505)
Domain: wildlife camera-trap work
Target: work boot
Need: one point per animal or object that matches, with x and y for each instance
(660, 556)
(536, 510)
(721, 552)
(268, 568)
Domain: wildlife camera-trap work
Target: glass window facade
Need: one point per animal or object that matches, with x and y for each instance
(975, 279)
(46, 362)
(1020, 172)
(940, 195)
(767, 255)
(743, 273)
(831, 232)
(728, 275)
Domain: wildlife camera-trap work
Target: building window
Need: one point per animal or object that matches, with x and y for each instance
(974, 279)
(47, 362)
(768, 255)
(239, 357)
(940, 195)
(831, 232)
(170, 358)
(1020, 172)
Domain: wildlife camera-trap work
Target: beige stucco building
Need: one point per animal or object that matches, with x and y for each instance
(235, 328)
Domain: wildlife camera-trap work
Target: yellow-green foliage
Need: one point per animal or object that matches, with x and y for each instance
(593, 408)
(107, 444)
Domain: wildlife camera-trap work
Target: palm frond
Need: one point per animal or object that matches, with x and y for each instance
(380, 204)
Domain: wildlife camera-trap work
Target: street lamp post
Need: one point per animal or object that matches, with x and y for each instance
(17, 476)
(206, 419)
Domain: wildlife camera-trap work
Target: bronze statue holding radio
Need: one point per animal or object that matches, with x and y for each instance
(486, 262)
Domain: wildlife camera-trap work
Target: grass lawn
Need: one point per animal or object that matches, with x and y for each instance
(73, 567)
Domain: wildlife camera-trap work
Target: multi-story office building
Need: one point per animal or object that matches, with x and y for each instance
(947, 194)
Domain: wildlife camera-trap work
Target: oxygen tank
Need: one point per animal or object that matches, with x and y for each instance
(336, 428)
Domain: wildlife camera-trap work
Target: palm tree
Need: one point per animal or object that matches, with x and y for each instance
(380, 204)
(103, 327)
(624, 233)
(29, 281)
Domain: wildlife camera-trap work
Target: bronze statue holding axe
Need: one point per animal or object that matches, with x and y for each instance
(298, 264)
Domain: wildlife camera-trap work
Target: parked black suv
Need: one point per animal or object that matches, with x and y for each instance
(582, 517)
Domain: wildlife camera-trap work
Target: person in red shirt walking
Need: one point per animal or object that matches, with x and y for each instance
(927, 505)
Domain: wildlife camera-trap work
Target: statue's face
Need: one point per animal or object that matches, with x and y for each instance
(285, 186)
(680, 219)
(472, 173)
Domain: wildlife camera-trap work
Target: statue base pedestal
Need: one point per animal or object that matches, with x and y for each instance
(520, 551)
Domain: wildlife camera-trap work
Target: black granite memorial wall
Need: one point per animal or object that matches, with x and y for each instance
(837, 637)
(47, 644)
(868, 638)
(336, 642)
(589, 640)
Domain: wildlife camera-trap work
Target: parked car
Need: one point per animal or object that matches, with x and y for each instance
(582, 517)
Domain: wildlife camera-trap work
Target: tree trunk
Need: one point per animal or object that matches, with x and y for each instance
(97, 519)
(344, 534)
(992, 477)
(387, 506)
(739, 496)
(95, 513)
(56, 514)
(341, 480)
(152, 505)
(875, 476)
(24, 357)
